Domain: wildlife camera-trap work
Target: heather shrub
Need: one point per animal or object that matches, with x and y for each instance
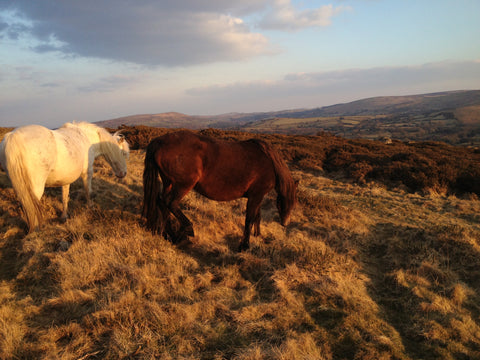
(423, 167)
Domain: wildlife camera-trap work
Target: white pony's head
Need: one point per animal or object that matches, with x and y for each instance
(115, 150)
(118, 136)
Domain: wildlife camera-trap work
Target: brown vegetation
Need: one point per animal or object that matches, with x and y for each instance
(420, 167)
(3, 131)
(383, 269)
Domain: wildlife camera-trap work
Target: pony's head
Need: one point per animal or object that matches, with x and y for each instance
(122, 143)
(115, 150)
(286, 203)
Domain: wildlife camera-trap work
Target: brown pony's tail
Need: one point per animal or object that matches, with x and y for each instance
(151, 190)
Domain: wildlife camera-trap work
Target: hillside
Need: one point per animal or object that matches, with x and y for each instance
(452, 117)
(370, 268)
(166, 120)
(414, 104)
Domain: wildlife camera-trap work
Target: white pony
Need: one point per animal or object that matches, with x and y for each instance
(35, 157)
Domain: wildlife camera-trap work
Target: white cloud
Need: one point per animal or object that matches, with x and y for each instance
(171, 33)
(151, 32)
(284, 16)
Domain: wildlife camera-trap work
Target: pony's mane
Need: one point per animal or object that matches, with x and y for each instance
(109, 143)
(284, 183)
(83, 125)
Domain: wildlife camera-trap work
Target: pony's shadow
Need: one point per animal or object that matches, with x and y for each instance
(10, 264)
(412, 252)
(105, 196)
(225, 249)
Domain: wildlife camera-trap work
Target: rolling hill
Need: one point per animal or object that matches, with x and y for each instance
(167, 120)
(452, 117)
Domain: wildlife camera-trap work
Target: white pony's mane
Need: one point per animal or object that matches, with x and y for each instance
(109, 144)
(91, 130)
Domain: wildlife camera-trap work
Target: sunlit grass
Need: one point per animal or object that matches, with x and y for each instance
(363, 272)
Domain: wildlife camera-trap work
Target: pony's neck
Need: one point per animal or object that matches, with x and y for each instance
(96, 149)
(98, 140)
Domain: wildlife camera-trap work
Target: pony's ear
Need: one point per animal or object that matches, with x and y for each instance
(119, 136)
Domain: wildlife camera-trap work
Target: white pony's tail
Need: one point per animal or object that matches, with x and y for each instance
(22, 181)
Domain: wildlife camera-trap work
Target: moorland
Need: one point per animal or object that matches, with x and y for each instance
(452, 117)
(381, 261)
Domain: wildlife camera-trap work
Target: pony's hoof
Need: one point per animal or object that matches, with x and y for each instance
(63, 219)
(182, 236)
(243, 246)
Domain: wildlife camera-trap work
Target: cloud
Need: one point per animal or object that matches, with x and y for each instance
(171, 33)
(151, 32)
(50, 85)
(12, 26)
(284, 16)
(108, 84)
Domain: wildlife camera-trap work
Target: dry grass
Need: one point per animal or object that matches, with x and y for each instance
(363, 272)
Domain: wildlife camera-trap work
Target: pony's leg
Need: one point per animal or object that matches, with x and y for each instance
(252, 217)
(87, 184)
(173, 199)
(256, 224)
(187, 226)
(157, 219)
(65, 193)
(162, 225)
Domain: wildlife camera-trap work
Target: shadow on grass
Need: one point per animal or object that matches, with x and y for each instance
(408, 267)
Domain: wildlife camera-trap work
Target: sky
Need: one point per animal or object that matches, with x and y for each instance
(95, 60)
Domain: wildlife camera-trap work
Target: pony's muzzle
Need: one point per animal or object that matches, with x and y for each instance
(121, 174)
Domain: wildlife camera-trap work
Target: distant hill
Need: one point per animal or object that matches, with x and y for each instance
(452, 116)
(168, 120)
(414, 104)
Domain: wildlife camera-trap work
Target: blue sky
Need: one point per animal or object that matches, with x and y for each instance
(94, 60)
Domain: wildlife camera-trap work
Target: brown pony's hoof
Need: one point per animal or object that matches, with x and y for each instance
(243, 246)
(183, 236)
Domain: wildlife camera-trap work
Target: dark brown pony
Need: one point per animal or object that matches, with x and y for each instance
(220, 170)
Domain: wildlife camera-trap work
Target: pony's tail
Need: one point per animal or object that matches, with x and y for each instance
(22, 181)
(151, 190)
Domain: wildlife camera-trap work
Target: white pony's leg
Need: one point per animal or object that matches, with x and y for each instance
(65, 193)
(87, 184)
